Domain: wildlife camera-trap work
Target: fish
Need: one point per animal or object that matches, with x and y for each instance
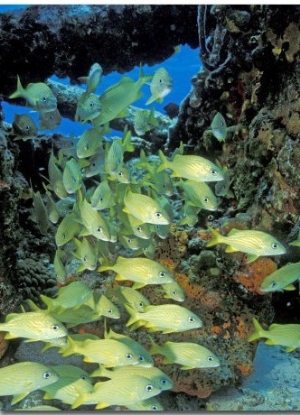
(93, 79)
(66, 230)
(252, 242)
(59, 267)
(161, 85)
(72, 178)
(174, 291)
(167, 318)
(86, 253)
(286, 335)
(198, 194)
(218, 127)
(172, 110)
(56, 177)
(295, 243)
(222, 188)
(114, 165)
(96, 163)
(191, 167)
(103, 197)
(128, 295)
(151, 404)
(39, 408)
(49, 120)
(142, 271)
(94, 223)
(144, 208)
(39, 213)
(19, 379)
(187, 354)
(116, 98)
(72, 296)
(33, 326)
(38, 95)
(52, 210)
(151, 373)
(24, 127)
(145, 359)
(66, 389)
(133, 388)
(282, 279)
(189, 215)
(89, 142)
(88, 108)
(141, 230)
(144, 121)
(107, 352)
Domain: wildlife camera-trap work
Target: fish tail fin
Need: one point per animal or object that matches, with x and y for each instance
(152, 120)
(217, 238)
(69, 348)
(164, 161)
(133, 315)
(155, 348)
(19, 91)
(258, 331)
(48, 301)
(81, 399)
(144, 78)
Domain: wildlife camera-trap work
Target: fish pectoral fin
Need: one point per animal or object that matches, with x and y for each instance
(270, 342)
(289, 287)
(230, 249)
(19, 397)
(290, 348)
(138, 285)
(251, 258)
(187, 367)
(101, 405)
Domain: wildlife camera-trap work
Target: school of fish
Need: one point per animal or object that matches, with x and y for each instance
(98, 206)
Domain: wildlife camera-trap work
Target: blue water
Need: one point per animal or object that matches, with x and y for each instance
(181, 66)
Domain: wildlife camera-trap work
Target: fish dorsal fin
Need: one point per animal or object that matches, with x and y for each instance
(233, 231)
(11, 317)
(273, 326)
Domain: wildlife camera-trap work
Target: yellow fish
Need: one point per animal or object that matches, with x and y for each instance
(150, 404)
(188, 355)
(144, 356)
(133, 388)
(116, 98)
(66, 230)
(38, 95)
(107, 352)
(218, 127)
(89, 142)
(144, 121)
(198, 194)
(88, 108)
(72, 178)
(151, 373)
(86, 253)
(191, 167)
(168, 318)
(24, 127)
(19, 379)
(128, 295)
(282, 279)
(93, 79)
(59, 267)
(286, 335)
(144, 208)
(72, 295)
(32, 325)
(66, 389)
(49, 120)
(102, 197)
(39, 213)
(55, 178)
(253, 243)
(39, 408)
(174, 291)
(142, 271)
(160, 86)
(94, 223)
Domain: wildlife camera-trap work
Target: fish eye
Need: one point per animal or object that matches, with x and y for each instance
(129, 240)
(100, 199)
(158, 214)
(210, 358)
(154, 408)
(274, 245)
(27, 128)
(47, 375)
(83, 377)
(141, 304)
(141, 358)
(120, 173)
(163, 381)
(109, 311)
(162, 274)
(213, 171)
(149, 388)
(191, 319)
(129, 356)
(84, 259)
(92, 103)
(55, 327)
(139, 229)
(206, 200)
(273, 284)
(44, 99)
(100, 230)
(86, 147)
